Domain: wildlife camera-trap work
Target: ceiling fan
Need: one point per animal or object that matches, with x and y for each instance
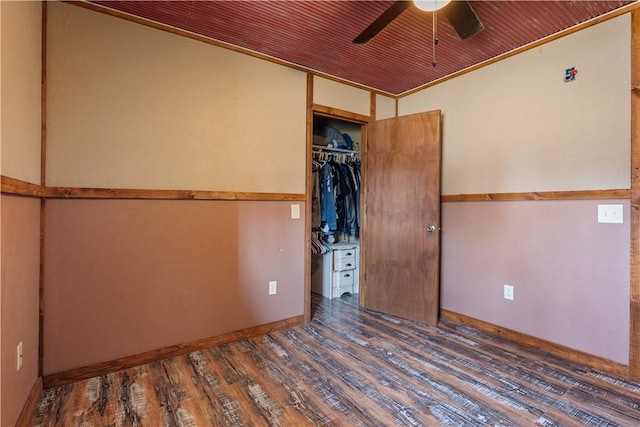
(459, 13)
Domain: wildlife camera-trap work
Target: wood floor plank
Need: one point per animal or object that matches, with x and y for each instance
(449, 398)
(270, 404)
(350, 367)
(211, 394)
(327, 378)
(292, 396)
(513, 380)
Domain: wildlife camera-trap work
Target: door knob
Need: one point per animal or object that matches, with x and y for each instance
(431, 229)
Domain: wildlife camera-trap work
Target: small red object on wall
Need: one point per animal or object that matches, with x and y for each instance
(570, 74)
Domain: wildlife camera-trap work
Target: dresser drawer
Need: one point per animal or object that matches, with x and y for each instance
(344, 278)
(342, 254)
(344, 264)
(345, 259)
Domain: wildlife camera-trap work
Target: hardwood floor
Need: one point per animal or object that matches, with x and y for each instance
(350, 367)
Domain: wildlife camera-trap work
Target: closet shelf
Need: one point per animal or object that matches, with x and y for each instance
(334, 150)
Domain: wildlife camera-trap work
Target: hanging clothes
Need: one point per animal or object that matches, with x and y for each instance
(315, 195)
(349, 189)
(328, 208)
(338, 176)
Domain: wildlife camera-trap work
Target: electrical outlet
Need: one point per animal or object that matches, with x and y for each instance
(508, 292)
(273, 287)
(19, 356)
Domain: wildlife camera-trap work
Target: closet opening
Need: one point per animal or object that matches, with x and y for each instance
(336, 206)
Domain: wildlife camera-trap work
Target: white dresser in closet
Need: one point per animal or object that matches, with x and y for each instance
(336, 272)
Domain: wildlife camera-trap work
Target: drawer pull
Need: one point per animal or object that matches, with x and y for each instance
(347, 265)
(348, 254)
(347, 275)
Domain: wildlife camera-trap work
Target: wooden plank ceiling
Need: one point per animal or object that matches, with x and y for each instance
(318, 34)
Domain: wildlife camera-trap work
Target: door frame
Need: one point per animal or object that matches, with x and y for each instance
(332, 113)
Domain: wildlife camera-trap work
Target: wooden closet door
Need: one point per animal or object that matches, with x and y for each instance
(400, 239)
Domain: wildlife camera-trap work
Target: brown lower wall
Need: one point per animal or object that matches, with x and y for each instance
(19, 287)
(570, 273)
(129, 276)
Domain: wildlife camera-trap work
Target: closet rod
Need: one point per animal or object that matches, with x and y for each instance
(337, 150)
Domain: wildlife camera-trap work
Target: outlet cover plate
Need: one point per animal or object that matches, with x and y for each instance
(273, 287)
(610, 214)
(508, 292)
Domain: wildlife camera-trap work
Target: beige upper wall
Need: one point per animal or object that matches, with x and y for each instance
(385, 107)
(21, 71)
(517, 126)
(129, 106)
(338, 95)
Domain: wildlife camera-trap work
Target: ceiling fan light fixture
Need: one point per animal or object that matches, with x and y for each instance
(430, 5)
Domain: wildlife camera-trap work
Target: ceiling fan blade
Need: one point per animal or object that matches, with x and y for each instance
(463, 18)
(382, 21)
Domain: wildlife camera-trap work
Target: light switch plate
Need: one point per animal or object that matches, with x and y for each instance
(610, 214)
(19, 356)
(295, 211)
